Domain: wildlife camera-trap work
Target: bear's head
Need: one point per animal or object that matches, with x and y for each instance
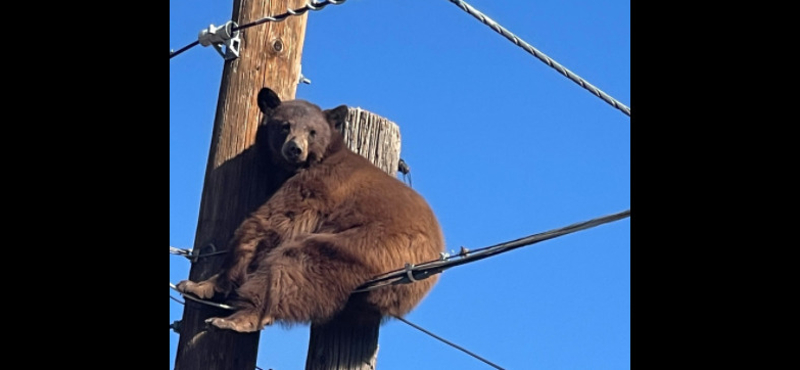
(298, 133)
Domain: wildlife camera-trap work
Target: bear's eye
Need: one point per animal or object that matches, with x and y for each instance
(285, 127)
(312, 133)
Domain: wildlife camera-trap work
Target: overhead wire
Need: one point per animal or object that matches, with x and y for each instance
(427, 269)
(542, 56)
(449, 343)
(278, 18)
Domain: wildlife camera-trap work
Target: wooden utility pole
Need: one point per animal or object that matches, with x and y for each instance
(235, 184)
(350, 342)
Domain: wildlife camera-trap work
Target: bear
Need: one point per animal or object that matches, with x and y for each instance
(335, 223)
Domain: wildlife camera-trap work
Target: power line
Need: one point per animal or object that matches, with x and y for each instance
(173, 325)
(181, 50)
(413, 273)
(175, 299)
(278, 18)
(191, 255)
(470, 10)
(198, 300)
(309, 6)
(424, 270)
(542, 56)
(462, 349)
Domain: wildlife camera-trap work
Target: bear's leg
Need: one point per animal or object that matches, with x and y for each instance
(237, 262)
(250, 303)
(311, 278)
(233, 272)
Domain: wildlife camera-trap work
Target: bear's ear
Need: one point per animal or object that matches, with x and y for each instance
(336, 117)
(268, 100)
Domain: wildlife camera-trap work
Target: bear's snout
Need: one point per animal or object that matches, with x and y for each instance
(294, 151)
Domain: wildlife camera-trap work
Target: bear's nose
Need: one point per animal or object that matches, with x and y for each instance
(292, 150)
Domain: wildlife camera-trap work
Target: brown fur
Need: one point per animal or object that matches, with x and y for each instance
(337, 222)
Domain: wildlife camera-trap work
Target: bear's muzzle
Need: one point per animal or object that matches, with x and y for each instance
(295, 150)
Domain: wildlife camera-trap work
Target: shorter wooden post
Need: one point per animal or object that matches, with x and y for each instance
(350, 341)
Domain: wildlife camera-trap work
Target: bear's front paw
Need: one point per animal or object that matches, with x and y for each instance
(203, 290)
(236, 322)
(182, 286)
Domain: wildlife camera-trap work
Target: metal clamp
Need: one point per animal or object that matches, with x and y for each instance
(302, 79)
(209, 250)
(222, 35)
(176, 326)
(410, 272)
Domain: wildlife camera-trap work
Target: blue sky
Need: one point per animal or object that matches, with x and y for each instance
(500, 145)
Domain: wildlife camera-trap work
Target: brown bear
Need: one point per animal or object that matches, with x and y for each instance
(335, 223)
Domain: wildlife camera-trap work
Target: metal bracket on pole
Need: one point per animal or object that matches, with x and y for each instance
(222, 35)
(302, 79)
